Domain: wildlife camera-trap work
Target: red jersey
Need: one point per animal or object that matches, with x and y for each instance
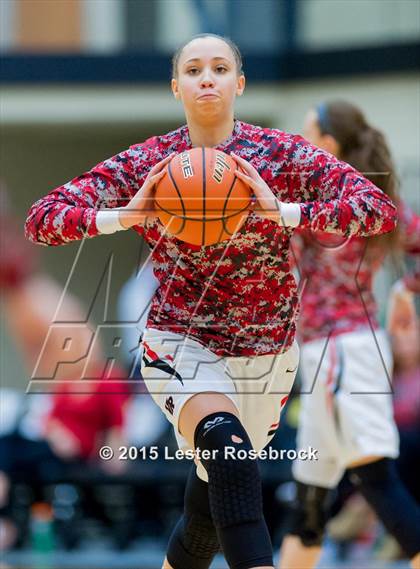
(338, 278)
(17, 259)
(237, 297)
(88, 416)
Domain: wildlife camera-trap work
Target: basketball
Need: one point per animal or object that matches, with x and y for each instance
(200, 200)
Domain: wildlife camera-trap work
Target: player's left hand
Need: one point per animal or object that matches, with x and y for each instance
(265, 203)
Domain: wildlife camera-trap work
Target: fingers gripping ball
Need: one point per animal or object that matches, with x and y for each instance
(200, 200)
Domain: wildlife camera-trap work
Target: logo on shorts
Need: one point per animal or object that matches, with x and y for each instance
(170, 405)
(151, 359)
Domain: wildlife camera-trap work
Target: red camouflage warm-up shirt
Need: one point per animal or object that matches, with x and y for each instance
(337, 277)
(237, 297)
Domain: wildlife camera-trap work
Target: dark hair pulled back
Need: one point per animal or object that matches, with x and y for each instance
(364, 147)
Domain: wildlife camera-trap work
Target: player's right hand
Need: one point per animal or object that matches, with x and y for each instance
(141, 206)
(266, 204)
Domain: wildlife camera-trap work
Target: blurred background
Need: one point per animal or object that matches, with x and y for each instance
(82, 80)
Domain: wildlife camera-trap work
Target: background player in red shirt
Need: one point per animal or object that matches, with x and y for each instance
(346, 401)
(219, 349)
(81, 417)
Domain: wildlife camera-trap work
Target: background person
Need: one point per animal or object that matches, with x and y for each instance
(346, 401)
(73, 418)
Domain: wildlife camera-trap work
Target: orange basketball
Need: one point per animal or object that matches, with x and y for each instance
(200, 200)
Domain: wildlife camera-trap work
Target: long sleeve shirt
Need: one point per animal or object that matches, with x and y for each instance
(337, 277)
(237, 297)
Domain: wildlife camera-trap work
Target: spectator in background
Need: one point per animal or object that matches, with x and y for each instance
(405, 340)
(404, 330)
(81, 415)
(134, 303)
(406, 351)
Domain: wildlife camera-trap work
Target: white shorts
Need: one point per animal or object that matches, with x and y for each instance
(176, 368)
(346, 405)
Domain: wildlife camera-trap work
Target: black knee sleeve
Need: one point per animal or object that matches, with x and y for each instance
(309, 516)
(379, 483)
(235, 493)
(194, 543)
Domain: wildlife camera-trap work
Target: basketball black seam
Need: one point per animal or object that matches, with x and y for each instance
(225, 229)
(201, 219)
(203, 230)
(179, 195)
(228, 195)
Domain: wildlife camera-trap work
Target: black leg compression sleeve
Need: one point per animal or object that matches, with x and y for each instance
(193, 543)
(309, 516)
(394, 506)
(235, 492)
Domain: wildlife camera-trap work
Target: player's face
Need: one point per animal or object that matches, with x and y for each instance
(207, 81)
(313, 134)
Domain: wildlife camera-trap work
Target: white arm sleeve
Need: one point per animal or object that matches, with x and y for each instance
(108, 221)
(290, 214)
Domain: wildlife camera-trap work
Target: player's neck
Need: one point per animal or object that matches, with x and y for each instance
(211, 134)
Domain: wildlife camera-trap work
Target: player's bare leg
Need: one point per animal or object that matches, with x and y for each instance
(295, 555)
(200, 406)
(415, 562)
(393, 498)
(194, 411)
(365, 460)
(188, 421)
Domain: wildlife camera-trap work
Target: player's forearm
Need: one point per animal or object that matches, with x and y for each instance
(70, 212)
(333, 196)
(53, 223)
(364, 214)
(61, 225)
(118, 219)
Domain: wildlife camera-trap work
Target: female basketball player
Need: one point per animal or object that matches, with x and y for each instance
(219, 349)
(346, 360)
